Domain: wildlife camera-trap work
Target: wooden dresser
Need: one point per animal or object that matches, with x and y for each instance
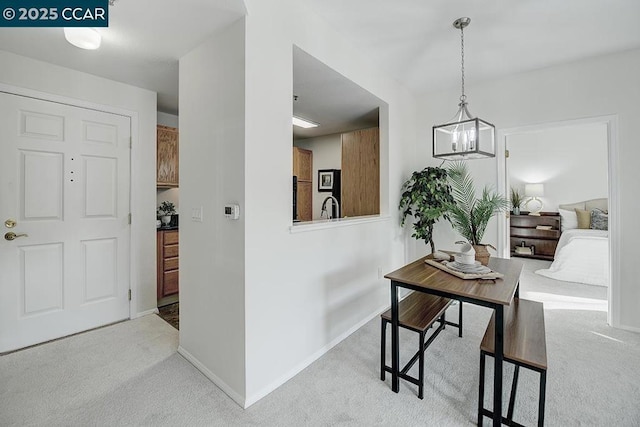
(167, 263)
(524, 228)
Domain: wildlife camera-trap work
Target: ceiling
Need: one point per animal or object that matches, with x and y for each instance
(413, 40)
(416, 43)
(326, 97)
(141, 46)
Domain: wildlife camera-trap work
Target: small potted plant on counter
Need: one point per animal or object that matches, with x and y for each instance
(165, 210)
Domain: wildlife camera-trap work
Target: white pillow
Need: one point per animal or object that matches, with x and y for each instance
(569, 219)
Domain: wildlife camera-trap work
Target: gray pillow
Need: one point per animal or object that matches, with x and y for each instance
(599, 220)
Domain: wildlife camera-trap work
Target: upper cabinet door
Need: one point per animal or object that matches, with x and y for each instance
(303, 164)
(167, 162)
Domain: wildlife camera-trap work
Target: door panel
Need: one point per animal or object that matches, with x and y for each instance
(101, 186)
(41, 126)
(42, 178)
(100, 269)
(41, 278)
(100, 132)
(64, 177)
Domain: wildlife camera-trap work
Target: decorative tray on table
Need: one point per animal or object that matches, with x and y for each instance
(465, 271)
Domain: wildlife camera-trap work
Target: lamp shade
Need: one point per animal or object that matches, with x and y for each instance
(534, 190)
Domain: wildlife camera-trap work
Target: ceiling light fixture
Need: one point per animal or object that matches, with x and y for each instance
(83, 37)
(303, 123)
(465, 136)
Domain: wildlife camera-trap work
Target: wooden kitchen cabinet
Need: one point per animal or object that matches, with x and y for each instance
(167, 157)
(303, 169)
(360, 194)
(542, 232)
(167, 262)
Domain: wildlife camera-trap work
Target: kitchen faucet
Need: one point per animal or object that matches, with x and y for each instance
(335, 203)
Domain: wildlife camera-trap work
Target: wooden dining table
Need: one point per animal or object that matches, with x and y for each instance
(495, 294)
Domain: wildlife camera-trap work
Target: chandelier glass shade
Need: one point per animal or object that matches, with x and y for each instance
(464, 136)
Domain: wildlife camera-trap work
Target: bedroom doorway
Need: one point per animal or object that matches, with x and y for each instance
(568, 163)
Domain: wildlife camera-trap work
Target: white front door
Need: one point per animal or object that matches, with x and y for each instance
(64, 181)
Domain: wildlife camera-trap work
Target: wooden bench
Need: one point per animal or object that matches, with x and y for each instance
(524, 345)
(417, 312)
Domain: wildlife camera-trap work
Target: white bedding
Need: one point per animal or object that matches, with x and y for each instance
(581, 256)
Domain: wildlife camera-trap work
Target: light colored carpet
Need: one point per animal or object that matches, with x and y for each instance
(130, 374)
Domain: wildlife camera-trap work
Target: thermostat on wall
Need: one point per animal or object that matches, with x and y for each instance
(232, 211)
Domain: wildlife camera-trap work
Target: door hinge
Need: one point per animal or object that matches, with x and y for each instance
(130, 142)
(129, 294)
(506, 154)
(129, 219)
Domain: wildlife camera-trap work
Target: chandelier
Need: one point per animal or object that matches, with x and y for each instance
(464, 136)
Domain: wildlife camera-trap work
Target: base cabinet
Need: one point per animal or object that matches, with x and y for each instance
(167, 263)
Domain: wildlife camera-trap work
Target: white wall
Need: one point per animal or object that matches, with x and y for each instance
(166, 119)
(170, 195)
(327, 154)
(212, 169)
(43, 77)
(596, 87)
(307, 291)
(571, 162)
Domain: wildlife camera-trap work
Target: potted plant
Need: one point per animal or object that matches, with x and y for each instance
(425, 196)
(516, 200)
(165, 210)
(468, 214)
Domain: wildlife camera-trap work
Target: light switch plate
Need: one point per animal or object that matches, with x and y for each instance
(196, 214)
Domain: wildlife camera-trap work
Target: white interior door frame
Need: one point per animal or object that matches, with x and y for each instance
(611, 121)
(133, 116)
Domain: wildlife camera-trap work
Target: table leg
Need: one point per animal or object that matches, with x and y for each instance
(497, 370)
(395, 347)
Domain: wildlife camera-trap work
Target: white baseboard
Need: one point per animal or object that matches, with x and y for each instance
(250, 400)
(628, 328)
(214, 378)
(145, 313)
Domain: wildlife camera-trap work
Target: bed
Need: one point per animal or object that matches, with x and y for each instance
(582, 254)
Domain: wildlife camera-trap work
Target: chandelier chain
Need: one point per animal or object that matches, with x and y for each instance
(463, 97)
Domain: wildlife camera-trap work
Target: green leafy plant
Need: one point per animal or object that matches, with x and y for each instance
(468, 214)
(166, 208)
(516, 198)
(425, 196)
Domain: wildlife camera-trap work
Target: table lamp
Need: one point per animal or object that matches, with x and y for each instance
(533, 191)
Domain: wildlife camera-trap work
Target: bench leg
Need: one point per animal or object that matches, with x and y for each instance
(460, 319)
(481, 391)
(383, 347)
(512, 397)
(543, 386)
(421, 366)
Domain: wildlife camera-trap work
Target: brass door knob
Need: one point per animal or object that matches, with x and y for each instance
(13, 236)
(10, 223)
